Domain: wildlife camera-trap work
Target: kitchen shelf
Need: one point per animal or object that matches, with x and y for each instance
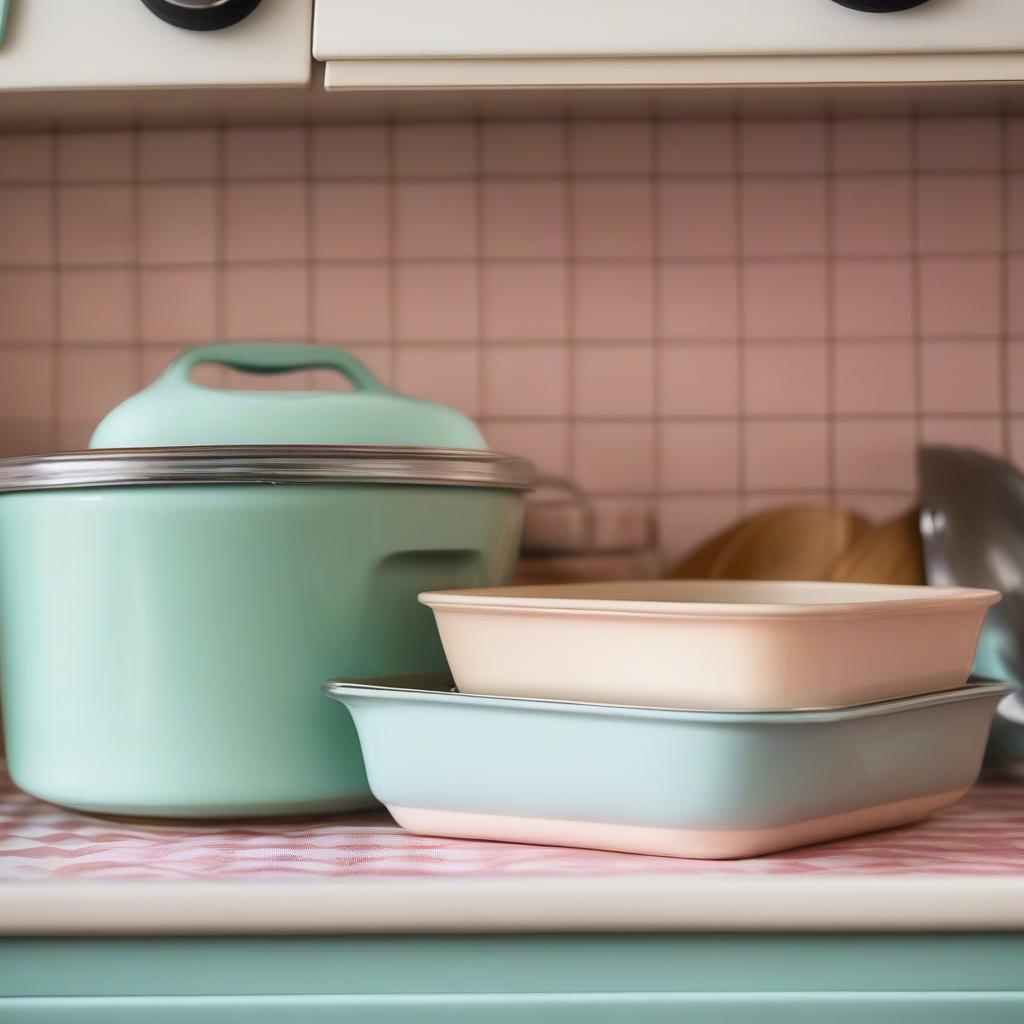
(64, 873)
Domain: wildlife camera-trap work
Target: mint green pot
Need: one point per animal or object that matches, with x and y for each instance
(167, 616)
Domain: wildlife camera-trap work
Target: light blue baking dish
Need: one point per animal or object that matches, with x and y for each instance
(665, 782)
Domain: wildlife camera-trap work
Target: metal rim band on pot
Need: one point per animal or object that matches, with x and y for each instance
(266, 464)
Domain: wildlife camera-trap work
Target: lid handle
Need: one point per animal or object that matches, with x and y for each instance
(270, 358)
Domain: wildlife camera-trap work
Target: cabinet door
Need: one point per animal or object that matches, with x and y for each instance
(592, 1008)
(102, 44)
(631, 28)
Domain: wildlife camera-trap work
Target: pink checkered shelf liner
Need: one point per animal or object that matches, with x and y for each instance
(982, 835)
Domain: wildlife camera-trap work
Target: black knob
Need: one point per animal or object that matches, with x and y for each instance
(880, 6)
(202, 15)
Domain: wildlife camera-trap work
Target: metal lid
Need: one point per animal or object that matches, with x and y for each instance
(266, 464)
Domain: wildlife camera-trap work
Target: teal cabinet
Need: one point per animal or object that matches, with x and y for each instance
(692, 978)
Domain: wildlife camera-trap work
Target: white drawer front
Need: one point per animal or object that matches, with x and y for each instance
(554, 28)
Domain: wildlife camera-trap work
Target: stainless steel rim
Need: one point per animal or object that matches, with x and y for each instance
(267, 464)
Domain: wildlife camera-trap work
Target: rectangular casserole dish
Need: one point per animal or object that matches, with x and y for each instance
(672, 783)
(712, 644)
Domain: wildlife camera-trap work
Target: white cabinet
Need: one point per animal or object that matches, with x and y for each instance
(598, 42)
(105, 44)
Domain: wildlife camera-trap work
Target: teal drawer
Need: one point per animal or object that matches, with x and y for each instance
(517, 1008)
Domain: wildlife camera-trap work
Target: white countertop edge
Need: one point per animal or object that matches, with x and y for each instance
(418, 905)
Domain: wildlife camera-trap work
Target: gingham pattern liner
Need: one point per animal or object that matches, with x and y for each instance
(982, 835)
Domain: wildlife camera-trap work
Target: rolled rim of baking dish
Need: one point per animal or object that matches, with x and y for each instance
(339, 689)
(266, 464)
(884, 599)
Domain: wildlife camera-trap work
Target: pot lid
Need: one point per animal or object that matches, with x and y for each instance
(266, 464)
(176, 411)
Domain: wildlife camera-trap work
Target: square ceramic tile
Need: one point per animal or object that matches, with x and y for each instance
(872, 215)
(959, 213)
(754, 502)
(782, 146)
(610, 147)
(95, 156)
(612, 219)
(782, 455)
(265, 221)
(783, 218)
(450, 376)
(697, 218)
(266, 304)
(698, 380)
(265, 152)
(984, 433)
(90, 383)
(351, 221)
(614, 380)
(698, 456)
(26, 157)
(958, 143)
(684, 523)
(698, 301)
(26, 401)
(179, 154)
(874, 377)
(178, 305)
(351, 303)
(784, 301)
(614, 458)
(524, 147)
(435, 150)
(526, 380)
(960, 376)
(98, 306)
(1015, 375)
(544, 442)
(435, 220)
(524, 219)
(96, 224)
(524, 303)
(781, 380)
(1015, 211)
(696, 147)
(349, 150)
(873, 299)
(437, 304)
(27, 305)
(875, 454)
(177, 223)
(26, 222)
(613, 302)
(872, 144)
(960, 296)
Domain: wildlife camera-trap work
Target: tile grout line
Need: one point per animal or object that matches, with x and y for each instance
(135, 273)
(56, 285)
(916, 302)
(483, 397)
(831, 256)
(1004, 286)
(657, 360)
(741, 311)
(571, 283)
(220, 244)
(309, 212)
(394, 278)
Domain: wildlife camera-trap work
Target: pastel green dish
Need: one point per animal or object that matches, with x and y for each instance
(167, 615)
(665, 782)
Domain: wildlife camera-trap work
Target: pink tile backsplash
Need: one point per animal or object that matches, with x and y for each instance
(693, 317)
